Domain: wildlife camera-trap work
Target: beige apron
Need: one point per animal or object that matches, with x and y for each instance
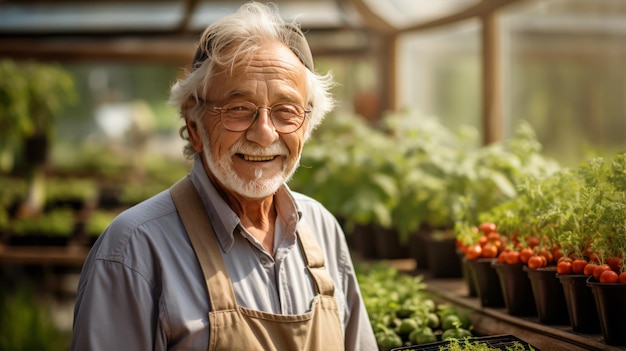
(233, 327)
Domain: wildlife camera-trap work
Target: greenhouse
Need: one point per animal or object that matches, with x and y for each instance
(472, 162)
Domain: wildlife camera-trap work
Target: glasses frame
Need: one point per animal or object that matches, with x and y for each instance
(220, 110)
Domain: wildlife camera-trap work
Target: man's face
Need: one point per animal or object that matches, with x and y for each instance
(254, 163)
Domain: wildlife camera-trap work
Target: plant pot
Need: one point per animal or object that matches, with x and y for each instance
(467, 277)
(38, 239)
(388, 244)
(611, 306)
(549, 295)
(363, 240)
(417, 248)
(487, 282)
(443, 261)
(581, 305)
(516, 289)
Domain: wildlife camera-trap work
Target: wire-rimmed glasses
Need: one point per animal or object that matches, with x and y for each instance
(240, 115)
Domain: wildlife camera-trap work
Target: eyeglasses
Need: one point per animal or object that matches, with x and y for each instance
(239, 116)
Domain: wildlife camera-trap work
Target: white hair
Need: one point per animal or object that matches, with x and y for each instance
(243, 32)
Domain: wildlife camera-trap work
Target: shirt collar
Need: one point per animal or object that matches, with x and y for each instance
(225, 222)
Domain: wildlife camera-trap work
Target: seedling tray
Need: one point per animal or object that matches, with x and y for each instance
(501, 342)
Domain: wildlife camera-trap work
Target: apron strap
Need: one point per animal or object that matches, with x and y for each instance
(315, 261)
(202, 236)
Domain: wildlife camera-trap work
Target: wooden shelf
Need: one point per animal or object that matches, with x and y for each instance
(496, 321)
(44, 255)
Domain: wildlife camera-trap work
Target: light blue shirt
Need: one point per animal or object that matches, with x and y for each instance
(142, 288)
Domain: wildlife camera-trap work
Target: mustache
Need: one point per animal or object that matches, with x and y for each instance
(243, 147)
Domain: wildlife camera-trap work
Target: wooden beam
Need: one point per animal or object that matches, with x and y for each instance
(179, 51)
(480, 9)
(491, 79)
(372, 20)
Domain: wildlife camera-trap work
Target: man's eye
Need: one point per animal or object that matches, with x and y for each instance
(240, 109)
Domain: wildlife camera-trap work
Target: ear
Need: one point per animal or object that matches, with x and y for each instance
(194, 136)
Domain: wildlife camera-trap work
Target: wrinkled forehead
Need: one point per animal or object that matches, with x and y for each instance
(296, 42)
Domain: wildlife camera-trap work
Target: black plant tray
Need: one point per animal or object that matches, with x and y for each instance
(501, 342)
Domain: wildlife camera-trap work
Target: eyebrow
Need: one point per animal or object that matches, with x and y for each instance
(239, 93)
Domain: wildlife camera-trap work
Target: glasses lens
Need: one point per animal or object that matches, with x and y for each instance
(238, 116)
(287, 118)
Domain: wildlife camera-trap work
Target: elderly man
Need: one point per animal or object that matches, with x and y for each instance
(230, 258)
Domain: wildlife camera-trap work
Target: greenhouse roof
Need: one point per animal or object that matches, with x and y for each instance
(70, 29)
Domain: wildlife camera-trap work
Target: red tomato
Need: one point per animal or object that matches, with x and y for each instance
(535, 262)
(487, 227)
(622, 278)
(532, 241)
(525, 254)
(493, 236)
(498, 243)
(548, 255)
(473, 252)
(599, 269)
(593, 257)
(515, 238)
(490, 251)
(482, 240)
(513, 257)
(502, 256)
(459, 244)
(564, 267)
(608, 277)
(557, 254)
(589, 268)
(615, 263)
(578, 266)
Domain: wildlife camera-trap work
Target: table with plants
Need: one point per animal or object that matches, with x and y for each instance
(520, 222)
(547, 265)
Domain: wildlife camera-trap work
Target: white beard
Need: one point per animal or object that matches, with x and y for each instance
(259, 188)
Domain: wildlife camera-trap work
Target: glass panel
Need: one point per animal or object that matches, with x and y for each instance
(439, 74)
(311, 14)
(402, 13)
(50, 18)
(565, 64)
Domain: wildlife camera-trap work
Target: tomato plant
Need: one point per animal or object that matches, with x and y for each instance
(578, 266)
(589, 268)
(513, 257)
(525, 254)
(622, 278)
(608, 276)
(597, 271)
(487, 227)
(474, 252)
(535, 262)
(564, 267)
(489, 250)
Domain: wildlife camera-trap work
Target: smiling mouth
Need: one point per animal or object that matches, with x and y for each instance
(257, 158)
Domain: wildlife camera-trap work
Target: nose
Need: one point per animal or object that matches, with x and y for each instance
(262, 130)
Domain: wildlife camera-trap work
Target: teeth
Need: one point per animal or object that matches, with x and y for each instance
(257, 158)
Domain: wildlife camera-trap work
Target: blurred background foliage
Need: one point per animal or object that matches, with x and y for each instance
(113, 141)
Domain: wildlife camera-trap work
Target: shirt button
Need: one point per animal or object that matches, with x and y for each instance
(265, 261)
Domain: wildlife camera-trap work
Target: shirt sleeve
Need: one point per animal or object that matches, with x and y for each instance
(115, 310)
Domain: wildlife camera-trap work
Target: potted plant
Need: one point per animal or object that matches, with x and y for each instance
(31, 95)
(492, 194)
(51, 228)
(350, 167)
(608, 245)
